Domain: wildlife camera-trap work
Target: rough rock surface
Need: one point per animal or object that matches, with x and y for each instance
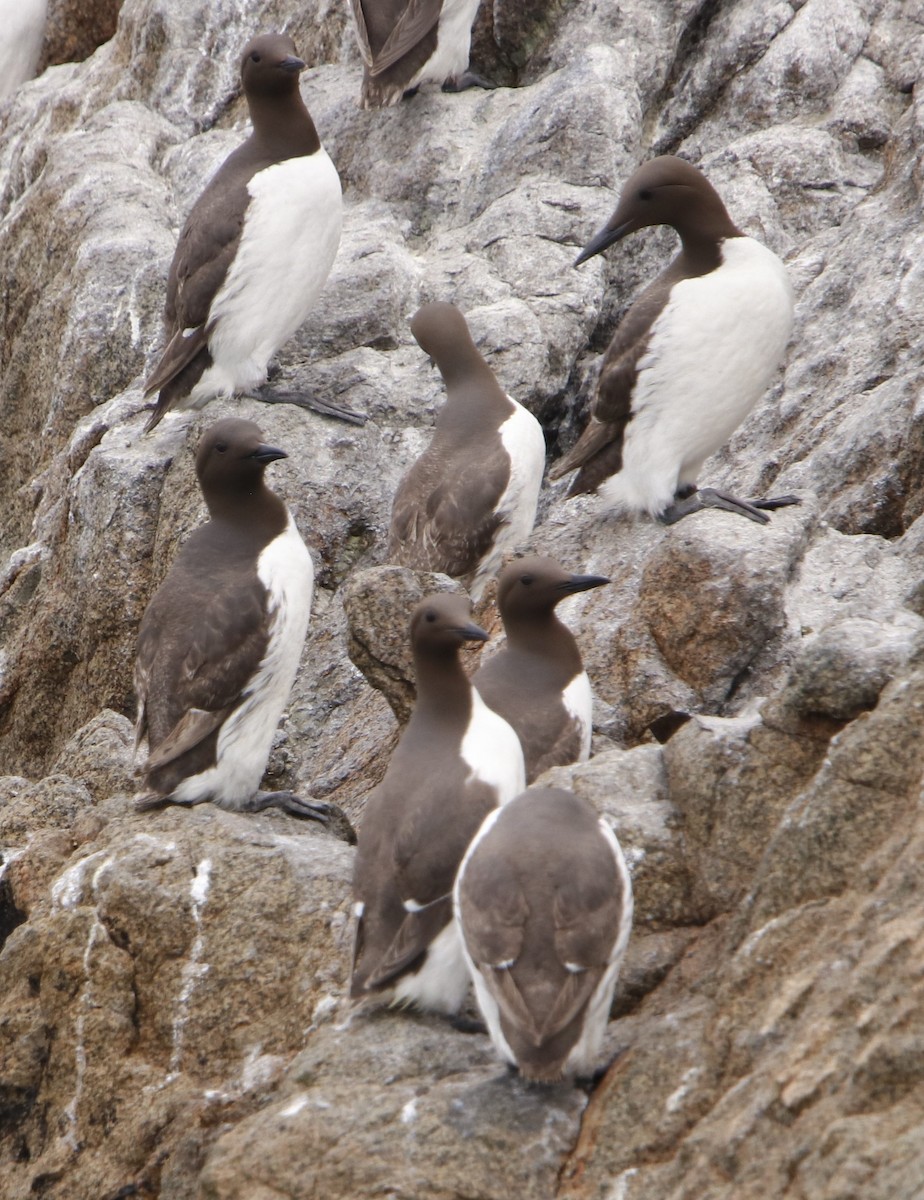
(171, 984)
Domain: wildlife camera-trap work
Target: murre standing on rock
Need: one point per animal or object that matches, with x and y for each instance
(691, 357)
(255, 250)
(220, 641)
(543, 902)
(405, 43)
(456, 760)
(472, 494)
(536, 681)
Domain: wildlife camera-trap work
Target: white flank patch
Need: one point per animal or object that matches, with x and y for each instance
(442, 981)
(579, 703)
(492, 751)
(287, 248)
(522, 436)
(712, 352)
(245, 739)
(453, 43)
(583, 1056)
(23, 24)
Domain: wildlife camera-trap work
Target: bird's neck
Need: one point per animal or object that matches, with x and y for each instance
(283, 126)
(444, 693)
(255, 513)
(544, 635)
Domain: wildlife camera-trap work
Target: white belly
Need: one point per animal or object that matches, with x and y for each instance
(245, 740)
(290, 239)
(712, 352)
(453, 43)
(522, 436)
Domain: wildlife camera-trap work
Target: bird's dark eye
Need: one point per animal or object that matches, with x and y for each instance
(221, 447)
(431, 615)
(527, 579)
(645, 194)
(254, 57)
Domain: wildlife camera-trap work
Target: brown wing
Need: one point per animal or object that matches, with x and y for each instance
(198, 648)
(382, 45)
(409, 851)
(598, 451)
(443, 518)
(204, 252)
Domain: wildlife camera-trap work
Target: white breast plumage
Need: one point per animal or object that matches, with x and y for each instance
(286, 570)
(287, 248)
(492, 751)
(712, 352)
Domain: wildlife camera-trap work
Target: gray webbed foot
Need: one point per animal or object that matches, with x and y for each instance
(704, 498)
(468, 79)
(309, 810)
(323, 407)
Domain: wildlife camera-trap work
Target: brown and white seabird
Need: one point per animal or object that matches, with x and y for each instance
(472, 494)
(456, 760)
(406, 43)
(255, 250)
(536, 681)
(543, 902)
(220, 640)
(690, 359)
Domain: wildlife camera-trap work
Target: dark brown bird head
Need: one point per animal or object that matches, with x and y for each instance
(230, 460)
(441, 623)
(665, 191)
(270, 66)
(531, 587)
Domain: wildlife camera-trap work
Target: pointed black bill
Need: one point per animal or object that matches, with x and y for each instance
(600, 241)
(267, 454)
(582, 583)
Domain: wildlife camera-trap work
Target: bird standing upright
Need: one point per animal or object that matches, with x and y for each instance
(220, 640)
(456, 760)
(536, 681)
(472, 494)
(255, 250)
(543, 902)
(691, 357)
(405, 43)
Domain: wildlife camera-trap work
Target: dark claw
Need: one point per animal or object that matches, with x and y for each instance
(467, 1025)
(772, 502)
(323, 407)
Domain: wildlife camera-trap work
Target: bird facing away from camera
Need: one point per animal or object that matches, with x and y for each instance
(472, 494)
(543, 903)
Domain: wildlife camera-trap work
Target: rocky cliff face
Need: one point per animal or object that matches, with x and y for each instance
(170, 1007)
